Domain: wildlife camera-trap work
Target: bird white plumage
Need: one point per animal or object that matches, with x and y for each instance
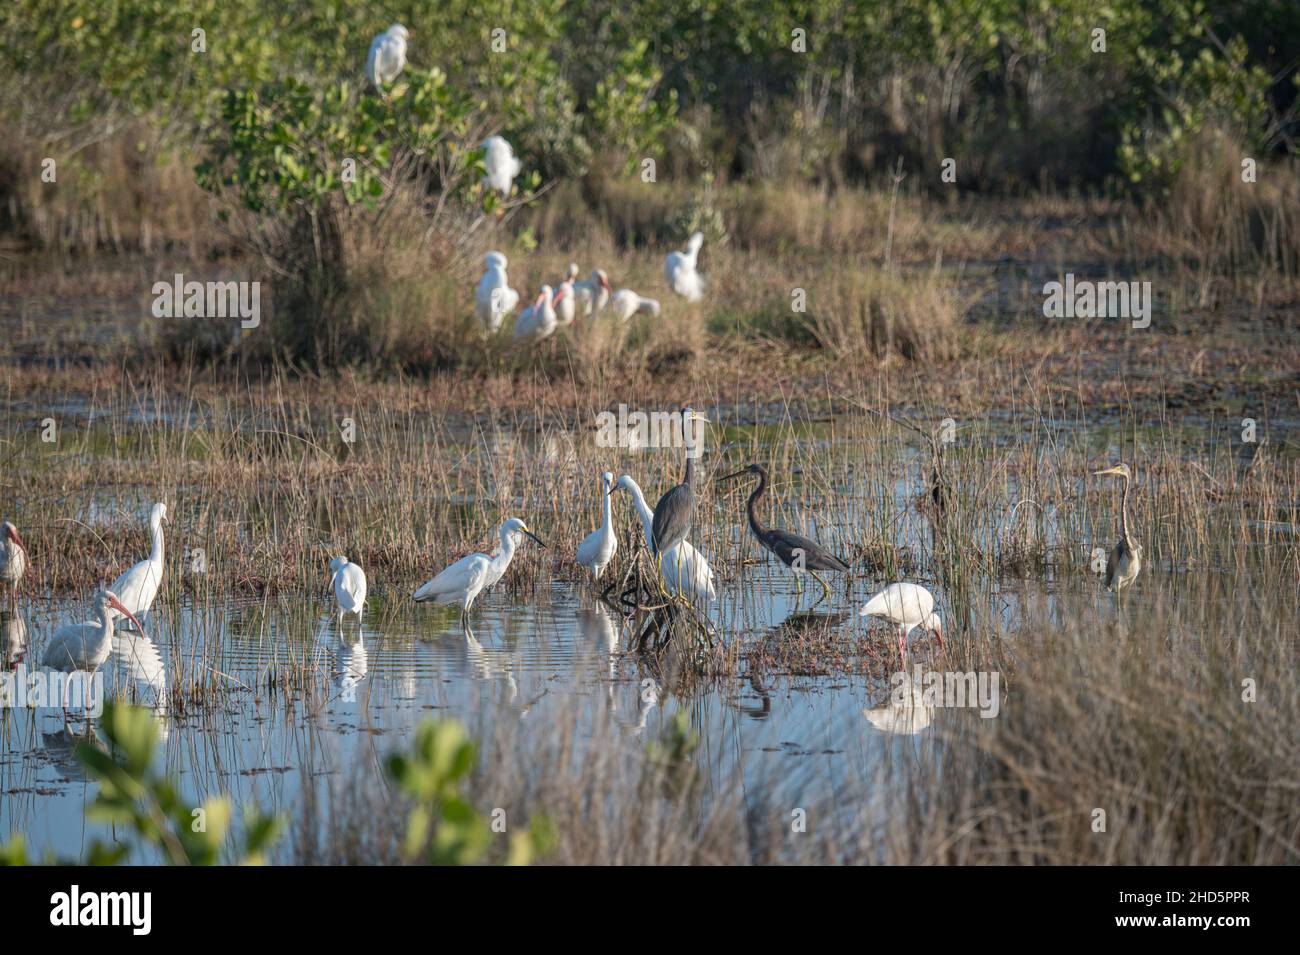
(593, 293)
(138, 586)
(625, 303)
(680, 269)
(906, 606)
(464, 580)
(494, 299)
(349, 582)
(566, 302)
(85, 646)
(598, 548)
(501, 164)
(538, 321)
(387, 56)
(13, 558)
(685, 570)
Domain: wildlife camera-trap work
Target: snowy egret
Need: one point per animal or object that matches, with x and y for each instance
(1126, 558)
(387, 56)
(138, 587)
(537, 321)
(625, 303)
(793, 550)
(597, 549)
(676, 509)
(501, 164)
(592, 293)
(494, 299)
(13, 559)
(349, 582)
(906, 606)
(679, 267)
(468, 577)
(684, 570)
(85, 646)
(566, 302)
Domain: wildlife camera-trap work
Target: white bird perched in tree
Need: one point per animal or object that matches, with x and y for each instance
(566, 302)
(138, 587)
(387, 56)
(13, 559)
(906, 606)
(349, 587)
(501, 164)
(598, 548)
(538, 321)
(592, 293)
(679, 267)
(468, 577)
(625, 303)
(684, 569)
(85, 646)
(494, 299)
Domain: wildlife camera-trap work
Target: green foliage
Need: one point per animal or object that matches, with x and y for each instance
(442, 827)
(135, 797)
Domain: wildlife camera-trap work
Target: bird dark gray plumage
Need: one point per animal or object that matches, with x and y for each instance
(786, 545)
(675, 511)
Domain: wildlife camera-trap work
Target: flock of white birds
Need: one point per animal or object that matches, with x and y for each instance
(555, 306)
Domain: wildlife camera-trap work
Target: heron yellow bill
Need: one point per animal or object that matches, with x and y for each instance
(1111, 470)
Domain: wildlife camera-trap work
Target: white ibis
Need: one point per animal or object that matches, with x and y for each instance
(13, 559)
(680, 270)
(138, 586)
(501, 164)
(387, 56)
(349, 582)
(592, 293)
(538, 321)
(597, 549)
(464, 580)
(494, 299)
(906, 606)
(566, 300)
(85, 646)
(625, 303)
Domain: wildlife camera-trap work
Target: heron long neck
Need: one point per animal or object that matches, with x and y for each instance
(1123, 511)
(609, 509)
(642, 509)
(507, 549)
(754, 523)
(155, 531)
(689, 477)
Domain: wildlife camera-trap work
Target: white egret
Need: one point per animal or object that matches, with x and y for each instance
(538, 321)
(679, 267)
(387, 56)
(138, 586)
(597, 549)
(684, 569)
(501, 164)
(468, 577)
(1126, 557)
(906, 606)
(13, 559)
(349, 582)
(494, 299)
(85, 646)
(592, 293)
(625, 303)
(566, 303)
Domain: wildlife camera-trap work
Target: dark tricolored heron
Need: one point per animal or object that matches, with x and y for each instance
(794, 550)
(676, 509)
(1126, 558)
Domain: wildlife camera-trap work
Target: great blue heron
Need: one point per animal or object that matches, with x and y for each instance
(468, 577)
(794, 550)
(676, 509)
(349, 582)
(1126, 557)
(906, 606)
(597, 548)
